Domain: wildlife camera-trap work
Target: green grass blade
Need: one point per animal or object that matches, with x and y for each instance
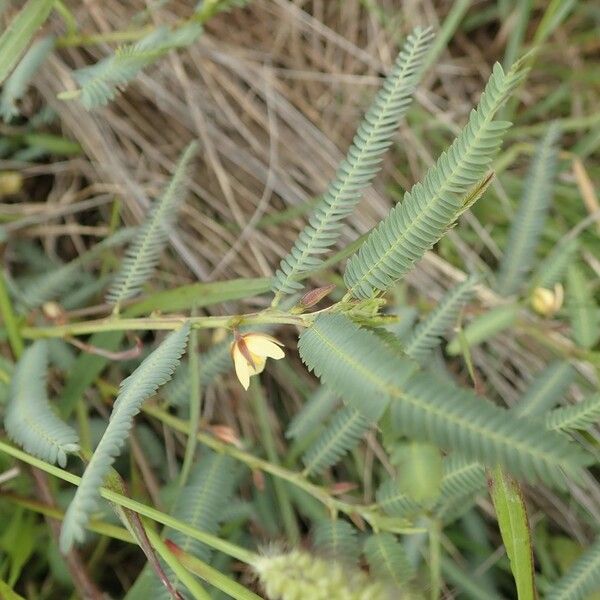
(17, 36)
(516, 535)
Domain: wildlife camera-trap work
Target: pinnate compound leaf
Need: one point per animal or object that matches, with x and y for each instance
(143, 255)
(337, 540)
(582, 309)
(29, 420)
(426, 336)
(547, 389)
(582, 578)
(530, 217)
(362, 163)
(582, 415)
(344, 432)
(101, 82)
(431, 207)
(154, 371)
(387, 559)
(359, 366)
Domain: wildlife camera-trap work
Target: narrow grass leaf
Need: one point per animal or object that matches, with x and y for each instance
(18, 34)
(516, 535)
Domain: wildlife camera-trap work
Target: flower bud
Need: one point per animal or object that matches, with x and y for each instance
(547, 302)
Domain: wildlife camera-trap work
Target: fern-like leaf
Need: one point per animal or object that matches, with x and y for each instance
(547, 389)
(577, 416)
(430, 207)
(387, 559)
(461, 479)
(582, 578)
(530, 217)
(552, 268)
(143, 255)
(337, 540)
(426, 336)
(393, 501)
(29, 420)
(17, 83)
(154, 371)
(100, 83)
(361, 368)
(347, 428)
(54, 282)
(483, 431)
(484, 327)
(582, 308)
(362, 163)
(355, 363)
(200, 505)
(317, 408)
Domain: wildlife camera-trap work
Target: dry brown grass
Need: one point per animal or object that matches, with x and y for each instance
(273, 93)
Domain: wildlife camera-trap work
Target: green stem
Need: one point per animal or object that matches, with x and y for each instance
(213, 541)
(100, 527)
(370, 513)
(435, 568)
(195, 398)
(10, 319)
(122, 534)
(150, 323)
(268, 441)
(211, 575)
(190, 582)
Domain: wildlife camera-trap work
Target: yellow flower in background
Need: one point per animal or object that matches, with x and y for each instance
(547, 302)
(249, 353)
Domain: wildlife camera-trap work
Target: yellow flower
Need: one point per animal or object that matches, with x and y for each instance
(249, 353)
(547, 302)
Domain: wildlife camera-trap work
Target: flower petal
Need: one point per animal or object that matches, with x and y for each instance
(242, 367)
(259, 365)
(263, 345)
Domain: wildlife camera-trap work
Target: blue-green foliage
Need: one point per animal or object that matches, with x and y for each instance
(362, 163)
(582, 415)
(582, 578)
(582, 308)
(317, 408)
(387, 559)
(337, 540)
(54, 282)
(154, 371)
(16, 85)
(530, 217)
(144, 253)
(429, 208)
(426, 336)
(100, 83)
(547, 389)
(346, 429)
(29, 419)
(359, 366)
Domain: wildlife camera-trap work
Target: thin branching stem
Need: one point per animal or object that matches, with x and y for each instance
(213, 541)
(369, 513)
